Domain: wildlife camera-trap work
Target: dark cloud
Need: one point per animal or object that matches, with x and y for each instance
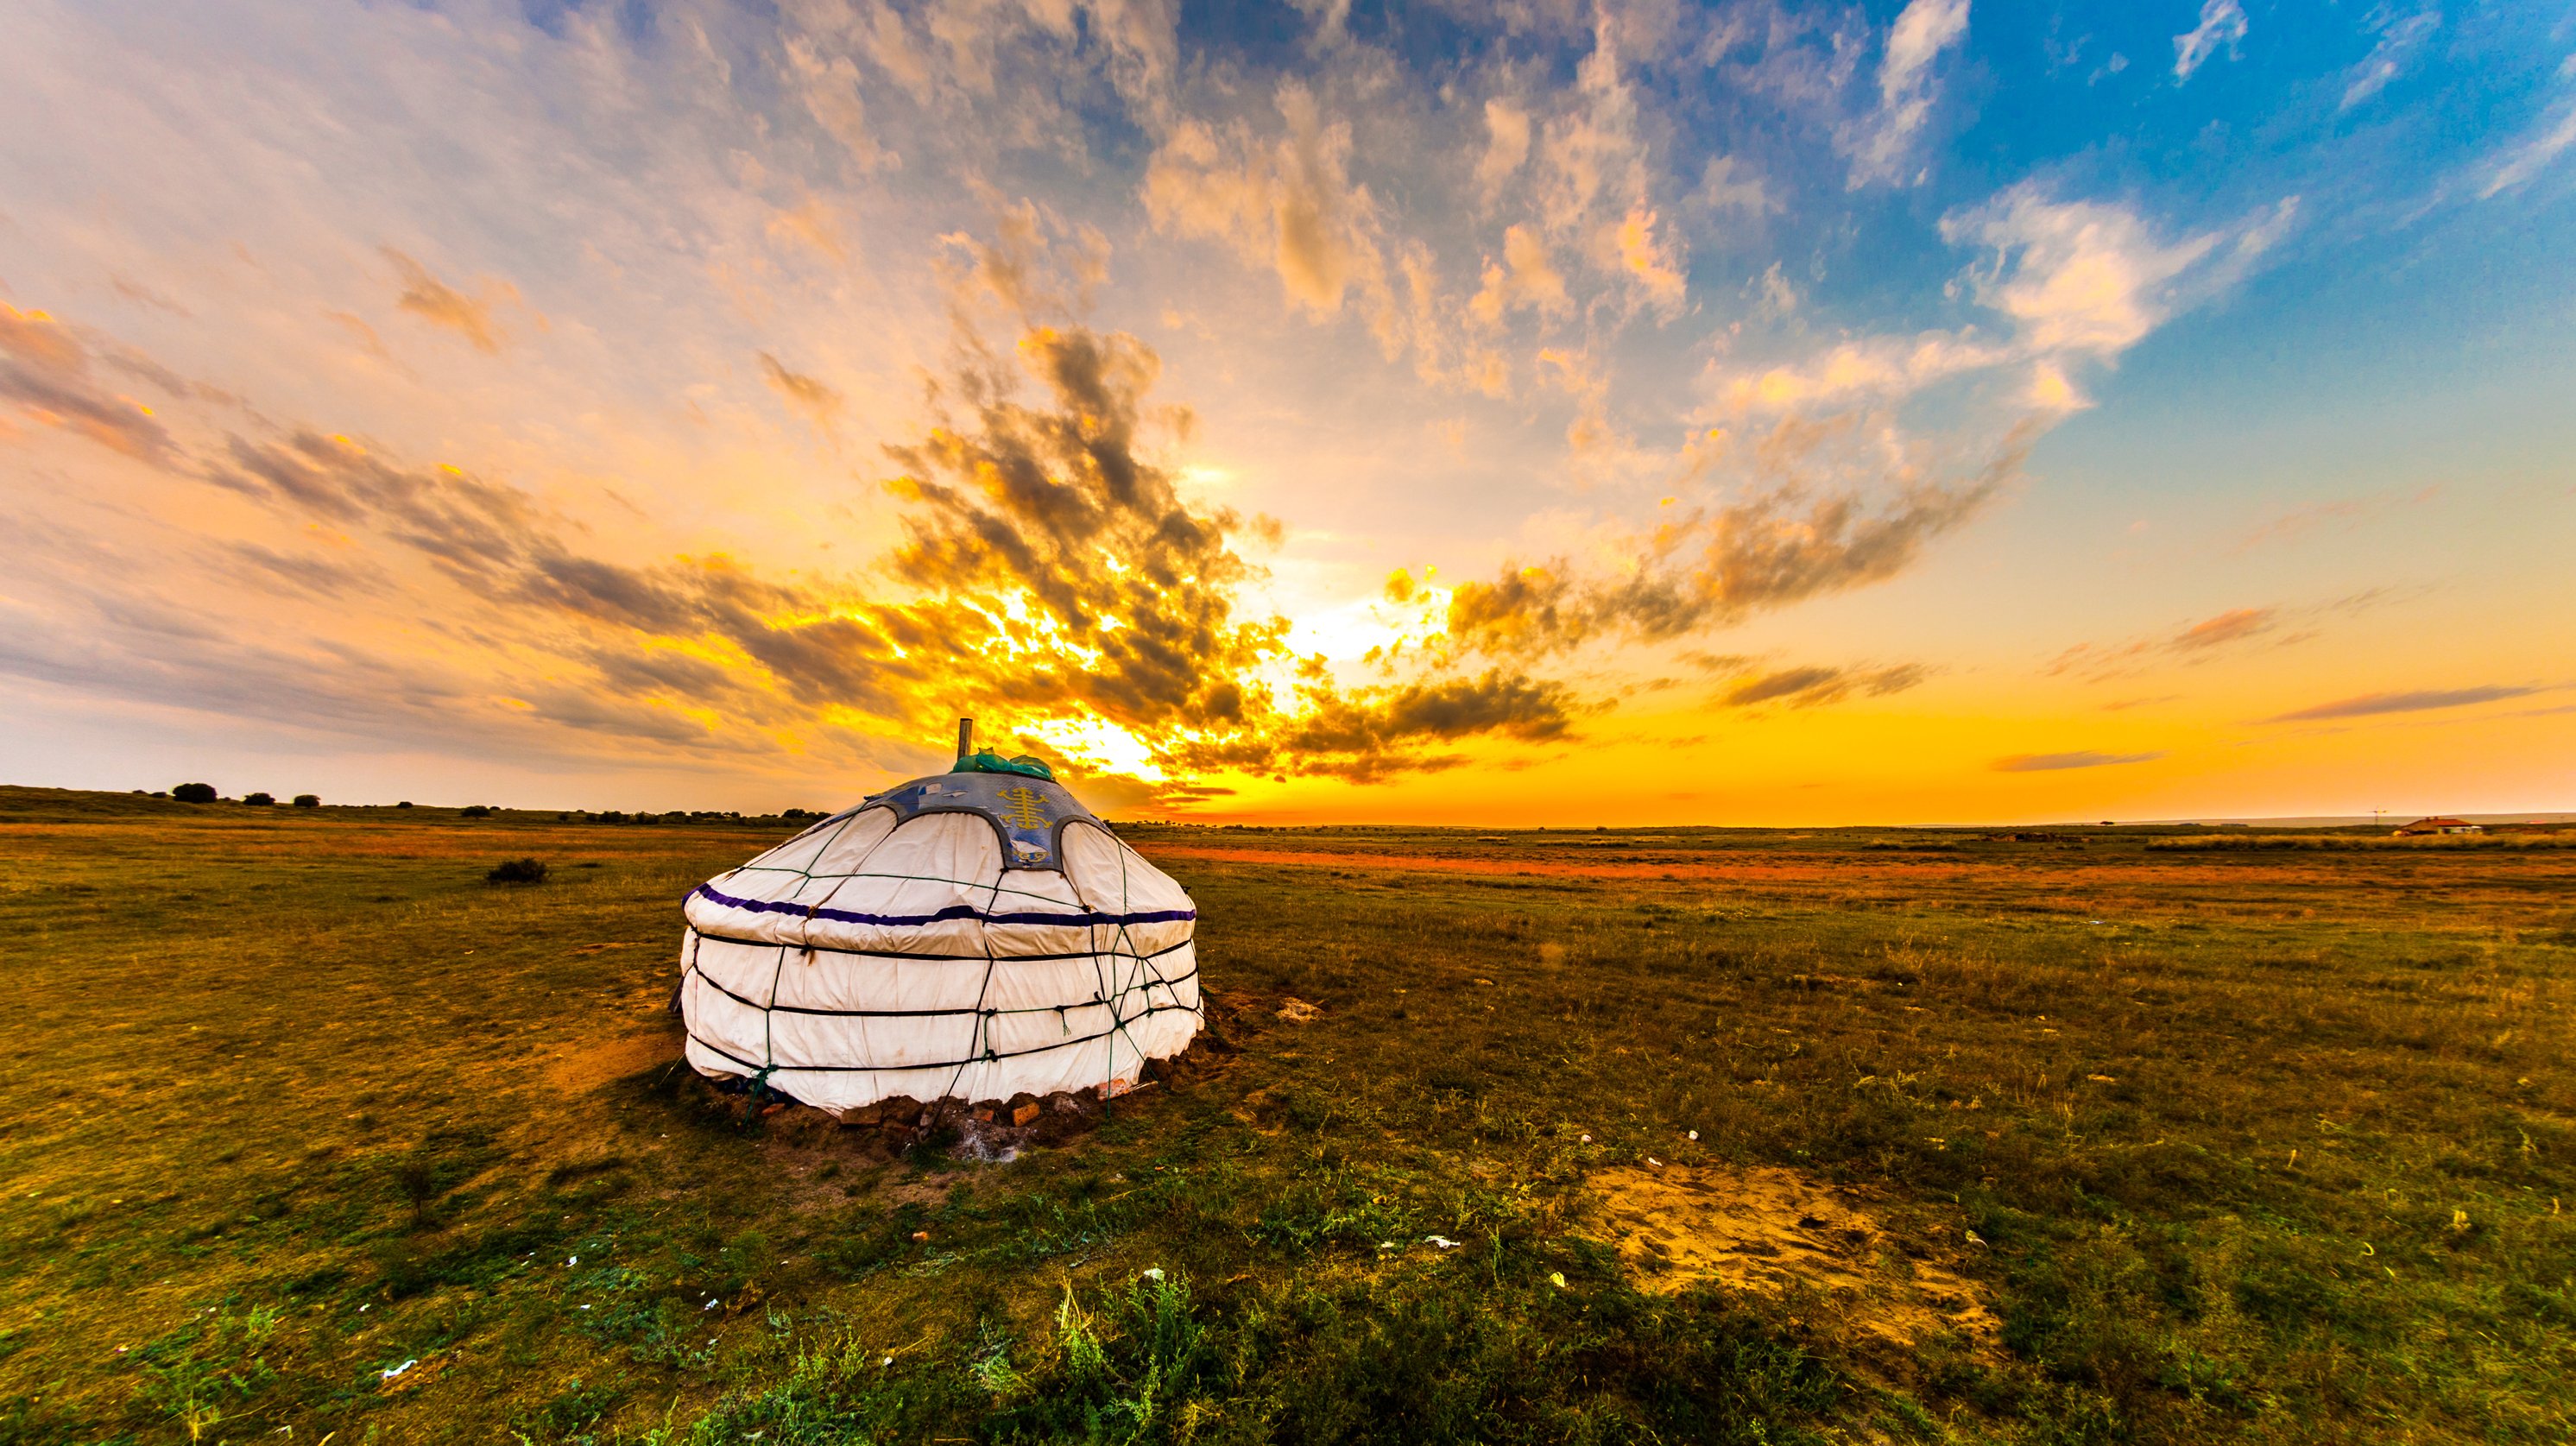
(2051, 762)
(1808, 687)
(1375, 733)
(2372, 704)
(45, 372)
(1051, 508)
(1826, 521)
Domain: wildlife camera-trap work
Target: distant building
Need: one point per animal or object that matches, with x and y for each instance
(2438, 825)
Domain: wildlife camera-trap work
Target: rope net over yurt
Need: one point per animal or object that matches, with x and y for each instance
(974, 935)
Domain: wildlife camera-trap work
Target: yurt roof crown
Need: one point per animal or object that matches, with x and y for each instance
(1018, 796)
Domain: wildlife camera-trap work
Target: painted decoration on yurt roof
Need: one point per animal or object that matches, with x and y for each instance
(972, 935)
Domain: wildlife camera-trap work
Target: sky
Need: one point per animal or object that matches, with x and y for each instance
(1512, 413)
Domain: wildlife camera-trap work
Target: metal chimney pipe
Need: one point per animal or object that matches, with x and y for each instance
(965, 739)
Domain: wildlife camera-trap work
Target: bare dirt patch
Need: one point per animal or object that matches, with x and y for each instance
(1772, 1230)
(591, 1066)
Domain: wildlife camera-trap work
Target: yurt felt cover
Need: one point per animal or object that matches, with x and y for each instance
(966, 935)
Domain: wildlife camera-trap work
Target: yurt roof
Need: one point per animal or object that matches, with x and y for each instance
(1027, 812)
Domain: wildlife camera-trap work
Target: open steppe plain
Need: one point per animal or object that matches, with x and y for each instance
(308, 1134)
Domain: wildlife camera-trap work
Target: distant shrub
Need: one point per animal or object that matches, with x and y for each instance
(308, 800)
(406, 803)
(194, 793)
(475, 810)
(517, 871)
(259, 800)
(614, 815)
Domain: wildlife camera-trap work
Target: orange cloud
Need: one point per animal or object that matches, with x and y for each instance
(45, 371)
(819, 403)
(439, 304)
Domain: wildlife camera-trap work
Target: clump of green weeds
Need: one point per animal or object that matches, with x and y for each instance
(191, 1374)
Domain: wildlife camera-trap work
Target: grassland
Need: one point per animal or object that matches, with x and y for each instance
(309, 1134)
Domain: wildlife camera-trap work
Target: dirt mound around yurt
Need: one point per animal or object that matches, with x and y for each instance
(1775, 1230)
(990, 1130)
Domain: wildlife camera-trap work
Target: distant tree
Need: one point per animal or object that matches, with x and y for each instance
(474, 810)
(406, 803)
(308, 800)
(258, 800)
(614, 815)
(517, 871)
(194, 793)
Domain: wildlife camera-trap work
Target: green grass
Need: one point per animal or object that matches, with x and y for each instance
(2254, 1144)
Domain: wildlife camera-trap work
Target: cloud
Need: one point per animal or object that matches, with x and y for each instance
(2529, 156)
(1727, 184)
(2228, 627)
(1880, 147)
(1810, 686)
(2051, 762)
(1370, 735)
(2083, 278)
(2099, 663)
(1653, 261)
(1290, 203)
(1810, 528)
(45, 373)
(2222, 23)
(1523, 279)
(2399, 38)
(434, 301)
(2347, 511)
(829, 88)
(1507, 147)
(816, 402)
(2078, 282)
(2371, 705)
(1037, 264)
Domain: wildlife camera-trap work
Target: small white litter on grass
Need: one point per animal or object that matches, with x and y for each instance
(396, 1371)
(1443, 1241)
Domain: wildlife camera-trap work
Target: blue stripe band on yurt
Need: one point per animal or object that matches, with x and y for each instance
(953, 911)
(910, 957)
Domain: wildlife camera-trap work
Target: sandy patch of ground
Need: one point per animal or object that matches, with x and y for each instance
(1769, 1229)
(590, 1066)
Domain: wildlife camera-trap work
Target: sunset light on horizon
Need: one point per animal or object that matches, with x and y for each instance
(1501, 415)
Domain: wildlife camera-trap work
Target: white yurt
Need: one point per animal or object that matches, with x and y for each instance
(973, 935)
